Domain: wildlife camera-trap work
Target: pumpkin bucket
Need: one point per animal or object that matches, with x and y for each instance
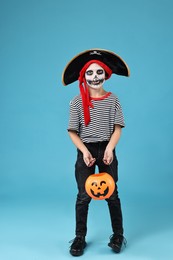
(100, 186)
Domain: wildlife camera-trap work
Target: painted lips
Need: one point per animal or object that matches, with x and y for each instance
(95, 82)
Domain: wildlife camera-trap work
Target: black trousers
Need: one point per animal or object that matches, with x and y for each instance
(83, 199)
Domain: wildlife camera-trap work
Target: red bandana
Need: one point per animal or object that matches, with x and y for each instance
(84, 89)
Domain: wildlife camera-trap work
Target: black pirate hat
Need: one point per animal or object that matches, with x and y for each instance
(112, 60)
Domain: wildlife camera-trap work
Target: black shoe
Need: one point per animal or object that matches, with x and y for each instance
(116, 242)
(78, 245)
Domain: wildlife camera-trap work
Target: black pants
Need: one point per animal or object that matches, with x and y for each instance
(82, 203)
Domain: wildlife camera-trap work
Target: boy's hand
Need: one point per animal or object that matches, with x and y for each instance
(108, 156)
(88, 159)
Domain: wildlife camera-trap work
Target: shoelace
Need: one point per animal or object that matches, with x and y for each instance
(76, 240)
(125, 241)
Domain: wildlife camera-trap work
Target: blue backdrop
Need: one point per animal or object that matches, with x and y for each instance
(37, 186)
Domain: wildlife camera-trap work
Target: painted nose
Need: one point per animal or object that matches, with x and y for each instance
(95, 77)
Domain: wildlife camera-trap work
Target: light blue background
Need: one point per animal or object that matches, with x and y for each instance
(37, 186)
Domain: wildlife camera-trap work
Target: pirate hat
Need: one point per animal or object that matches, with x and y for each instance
(112, 60)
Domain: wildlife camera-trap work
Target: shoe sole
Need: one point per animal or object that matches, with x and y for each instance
(114, 248)
(77, 253)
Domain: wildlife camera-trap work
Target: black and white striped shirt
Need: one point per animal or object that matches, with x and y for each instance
(105, 114)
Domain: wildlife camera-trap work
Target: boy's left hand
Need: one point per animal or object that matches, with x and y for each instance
(108, 157)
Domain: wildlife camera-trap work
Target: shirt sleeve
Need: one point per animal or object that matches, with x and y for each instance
(119, 117)
(73, 124)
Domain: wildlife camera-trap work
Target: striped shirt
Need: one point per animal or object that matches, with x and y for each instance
(105, 114)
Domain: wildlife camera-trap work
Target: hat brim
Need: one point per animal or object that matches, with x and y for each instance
(112, 60)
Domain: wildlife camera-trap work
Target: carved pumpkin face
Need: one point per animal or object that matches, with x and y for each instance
(100, 186)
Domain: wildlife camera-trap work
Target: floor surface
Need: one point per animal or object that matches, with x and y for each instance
(42, 229)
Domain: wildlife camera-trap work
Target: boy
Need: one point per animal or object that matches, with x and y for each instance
(95, 125)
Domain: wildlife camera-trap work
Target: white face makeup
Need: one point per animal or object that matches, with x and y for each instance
(95, 76)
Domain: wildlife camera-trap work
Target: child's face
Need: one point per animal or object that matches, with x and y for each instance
(95, 76)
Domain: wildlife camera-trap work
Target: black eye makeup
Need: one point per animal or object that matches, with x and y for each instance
(89, 72)
(100, 71)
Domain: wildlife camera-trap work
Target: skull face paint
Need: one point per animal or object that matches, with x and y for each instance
(95, 76)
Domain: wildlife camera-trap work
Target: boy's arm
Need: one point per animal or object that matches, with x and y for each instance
(87, 156)
(108, 154)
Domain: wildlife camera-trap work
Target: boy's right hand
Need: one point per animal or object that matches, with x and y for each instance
(88, 159)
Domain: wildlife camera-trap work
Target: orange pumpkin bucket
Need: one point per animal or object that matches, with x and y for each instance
(100, 186)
